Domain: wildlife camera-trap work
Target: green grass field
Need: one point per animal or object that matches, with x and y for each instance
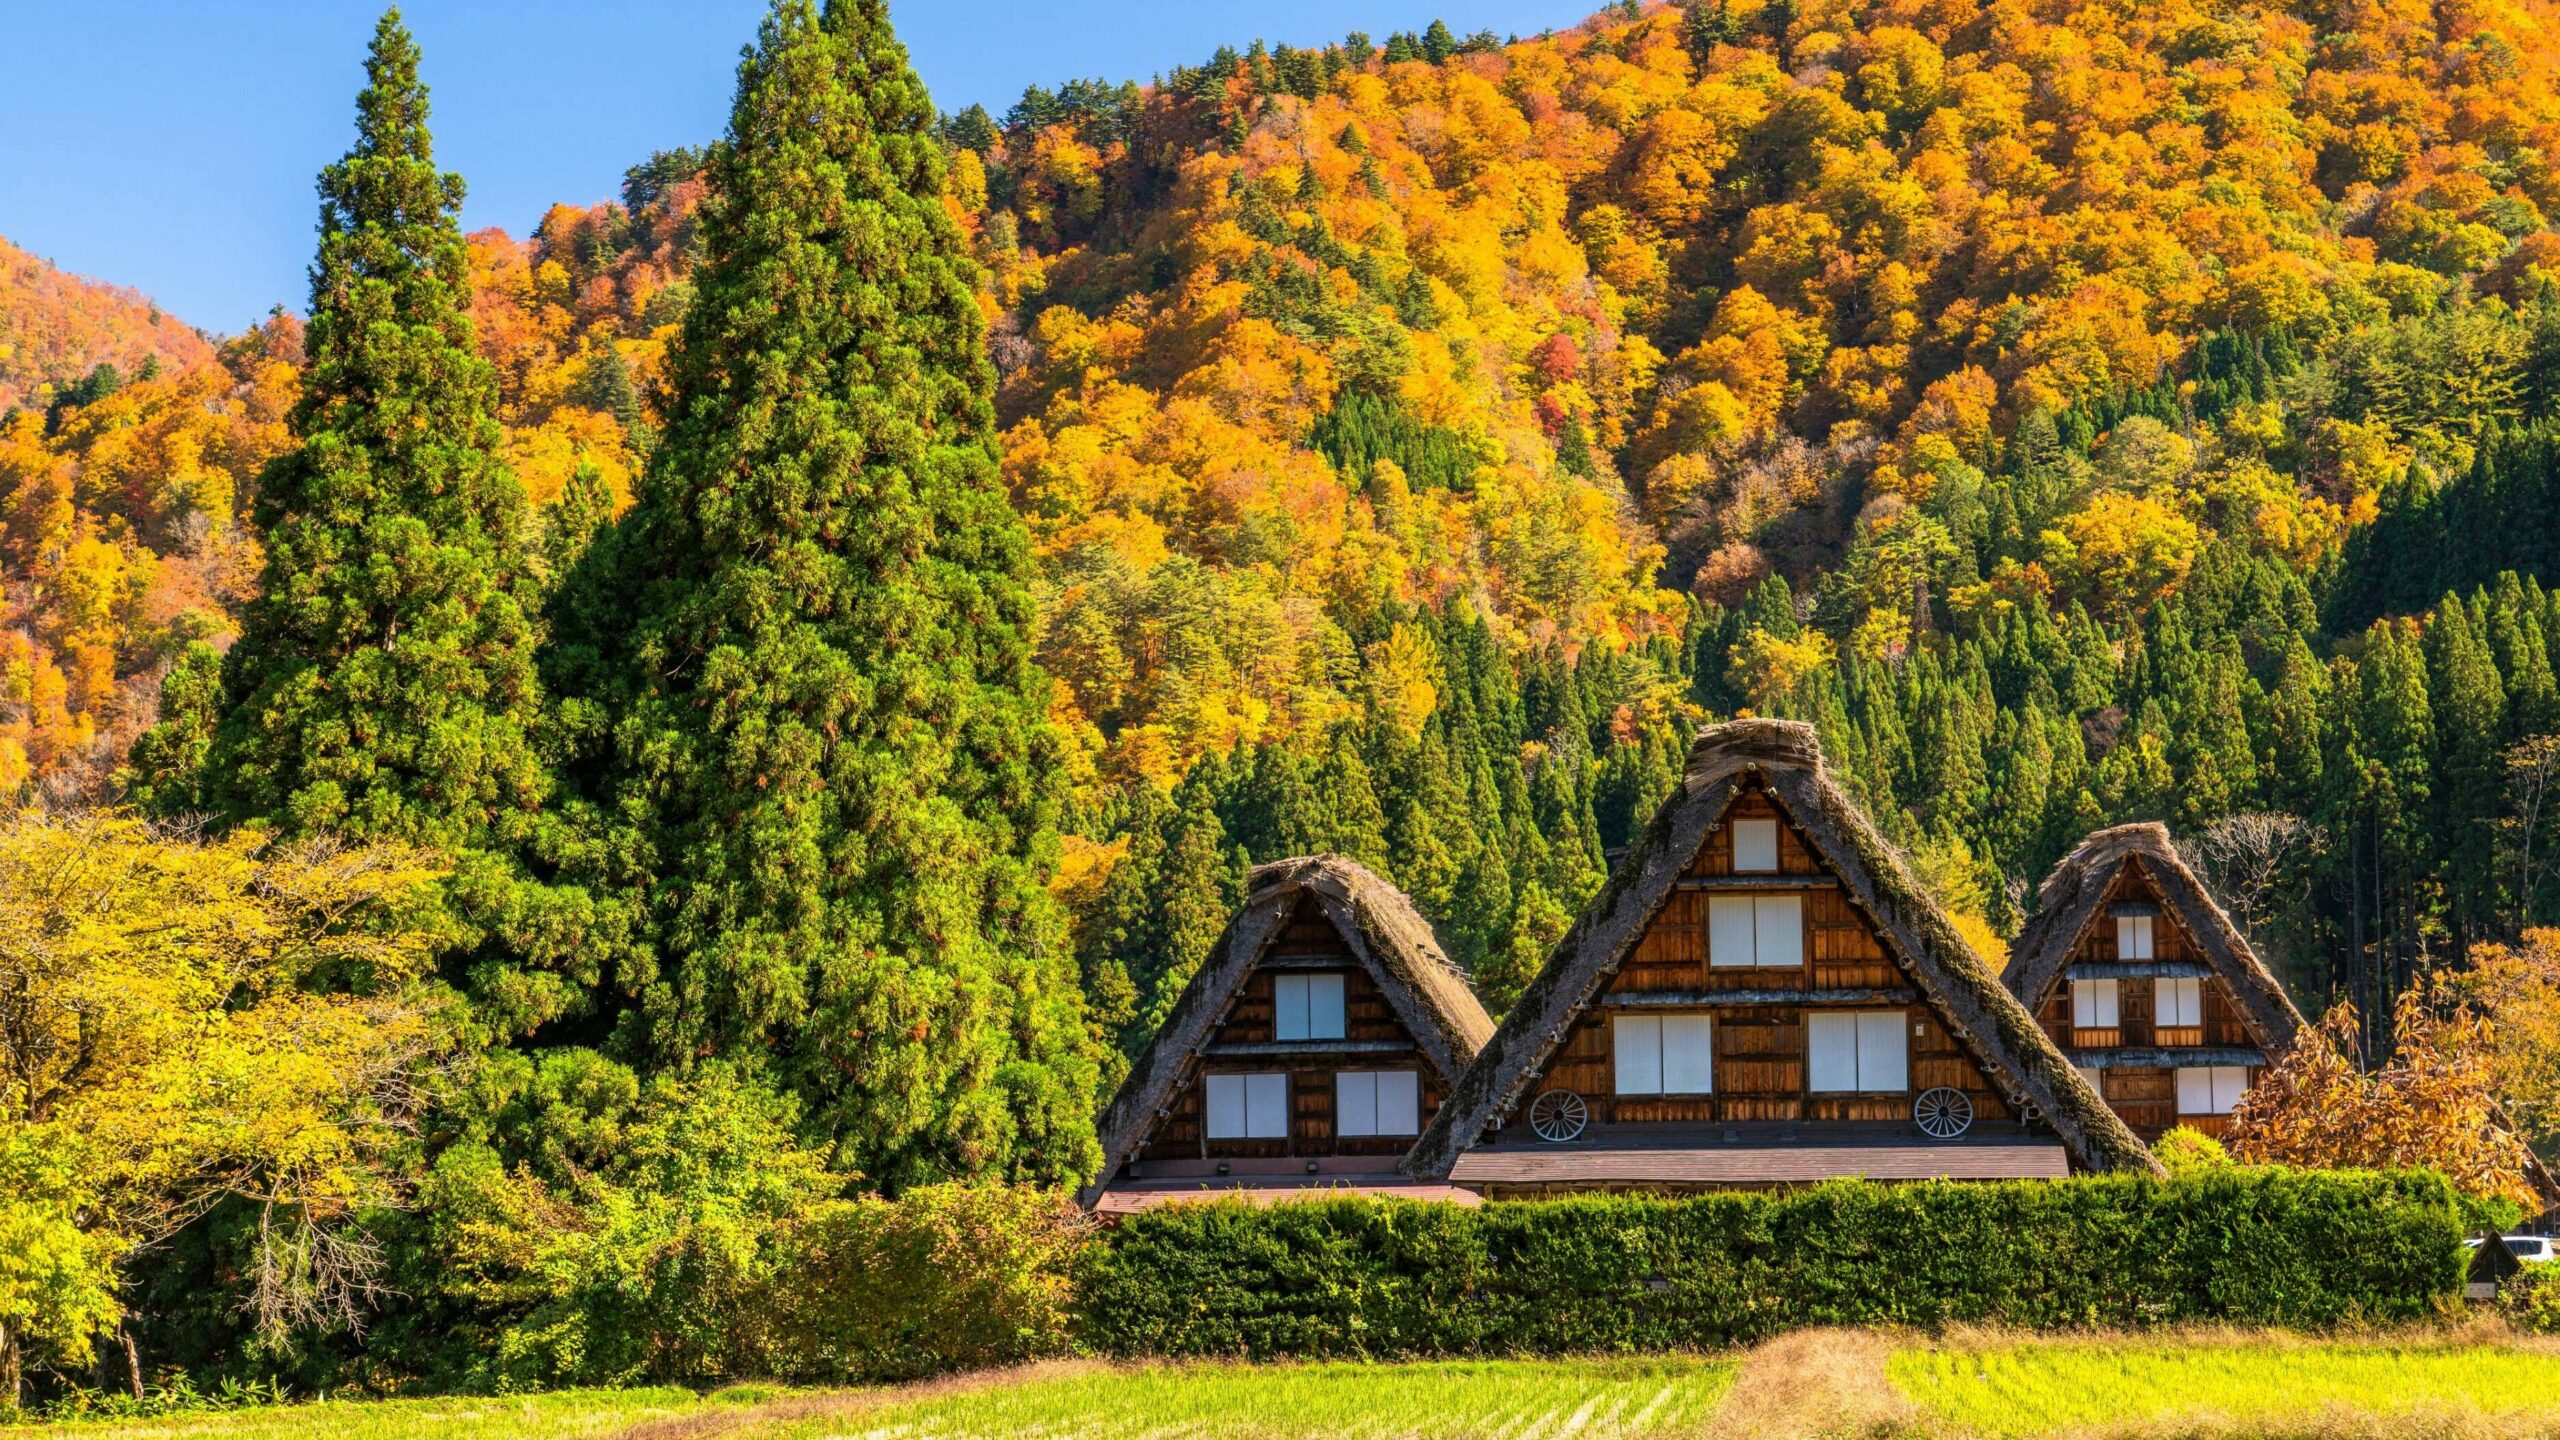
(1827, 1384)
(1595, 1400)
(2050, 1387)
(567, 1413)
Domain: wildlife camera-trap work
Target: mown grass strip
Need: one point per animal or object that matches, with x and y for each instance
(2041, 1388)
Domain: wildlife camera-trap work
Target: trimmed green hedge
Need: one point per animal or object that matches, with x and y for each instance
(1362, 1278)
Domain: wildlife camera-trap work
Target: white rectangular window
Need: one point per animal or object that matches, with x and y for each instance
(1664, 1054)
(2096, 1077)
(2211, 1089)
(1306, 1007)
(1779, 921)
(2133, 937)
(1377, 1102)
(1884, 1052)
(2093, 1005)
(1755, 846)
(1688, 1055)
(1857, 1051)
(1730, 931)
(1248, 1107)
(1637, 1041)
(1755, 930)
(2178, 1002)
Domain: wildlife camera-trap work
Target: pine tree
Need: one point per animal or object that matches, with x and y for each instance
(383, 683)
(831, 737)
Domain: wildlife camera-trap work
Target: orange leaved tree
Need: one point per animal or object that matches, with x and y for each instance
(2434, 1103)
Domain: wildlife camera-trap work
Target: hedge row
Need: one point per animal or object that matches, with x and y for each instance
(1382, 1279)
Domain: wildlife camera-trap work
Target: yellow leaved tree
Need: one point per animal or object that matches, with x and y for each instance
(187, 1021)
(2433, 1104)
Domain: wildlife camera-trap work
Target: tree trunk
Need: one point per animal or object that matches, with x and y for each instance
(10, 1378)
(132, 1359)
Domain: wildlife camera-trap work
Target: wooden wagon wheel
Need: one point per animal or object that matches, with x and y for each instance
(1942, 1114)
(1558, 1116)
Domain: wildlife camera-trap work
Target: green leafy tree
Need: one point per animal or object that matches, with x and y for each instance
(831, 759)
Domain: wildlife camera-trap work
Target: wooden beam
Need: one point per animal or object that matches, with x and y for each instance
(1280, 1048)
(1310, 960)
(2138, 970)
(1644, 999)
(2159, 1057)
(1757, 882)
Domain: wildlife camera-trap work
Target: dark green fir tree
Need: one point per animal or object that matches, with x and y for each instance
(828, 740)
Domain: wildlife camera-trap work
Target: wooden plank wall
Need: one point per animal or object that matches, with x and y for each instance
(1367, 1016)
(1760, 1047)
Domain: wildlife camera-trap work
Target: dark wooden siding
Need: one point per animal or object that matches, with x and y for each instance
(1308, 944)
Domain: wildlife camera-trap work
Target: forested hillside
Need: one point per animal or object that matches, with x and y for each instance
(584, 749)
(2046, 400)
(55, 329)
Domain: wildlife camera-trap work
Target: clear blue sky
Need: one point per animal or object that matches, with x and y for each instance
(170, 145)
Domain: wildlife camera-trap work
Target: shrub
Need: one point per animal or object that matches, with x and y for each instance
(946, 1277)
(1358, 1278)
(2532, 1300)
(2186, 1151)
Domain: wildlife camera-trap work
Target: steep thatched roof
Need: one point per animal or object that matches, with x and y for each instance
(1951, 978)
(1380, 927)
(2072, 895)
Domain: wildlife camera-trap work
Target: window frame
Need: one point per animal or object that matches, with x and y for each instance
(2214, 1078)
(2137, 937)
(1307, 985)
(1377, 1083)
(1789, 903)
(1863, 1024)
(2111, 992)
(1649, 1036)
(1760, 826)
(2164, 1014)
(1252, 1085)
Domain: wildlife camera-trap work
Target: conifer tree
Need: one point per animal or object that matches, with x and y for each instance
(831, 743)
(383, 684)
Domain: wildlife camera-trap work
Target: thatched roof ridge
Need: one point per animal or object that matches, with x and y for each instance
(1381, 927)
(2070, 897)
(1954, 981)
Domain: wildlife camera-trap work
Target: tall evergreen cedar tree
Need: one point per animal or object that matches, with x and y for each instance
(810, 642)
(384, 683)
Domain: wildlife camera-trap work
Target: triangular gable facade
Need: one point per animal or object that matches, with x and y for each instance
(2141, 977)
(1762, 994)
(2120, 921)
(1315, 1041)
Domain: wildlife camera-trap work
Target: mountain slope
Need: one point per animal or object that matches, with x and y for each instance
(56, 327)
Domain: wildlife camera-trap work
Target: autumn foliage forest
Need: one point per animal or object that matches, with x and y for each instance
(2081, 413)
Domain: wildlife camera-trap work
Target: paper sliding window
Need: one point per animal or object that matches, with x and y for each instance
(1766, 931)
(1857, 1051)
(2178, 1003)
(1377, 1102)
(1248, 1107)
(2211, 1089)
(1755, 845)
(1306, 1007)
(2094, 1004)
(1664, 1054)
(2133, 937)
